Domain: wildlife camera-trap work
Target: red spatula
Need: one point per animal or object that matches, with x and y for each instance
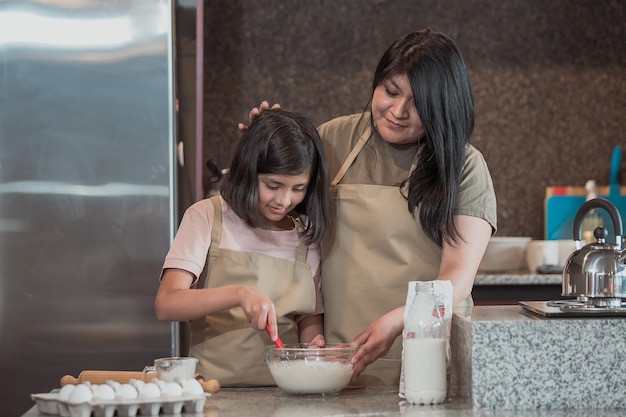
(278, 342)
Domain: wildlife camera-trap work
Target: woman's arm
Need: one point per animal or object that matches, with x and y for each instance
(459, 264)
(175, 301)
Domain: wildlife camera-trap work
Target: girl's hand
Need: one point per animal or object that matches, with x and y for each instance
(258, 309)
(318, 341)
(254, 113)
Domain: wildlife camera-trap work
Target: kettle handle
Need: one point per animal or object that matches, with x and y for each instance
(603, 204)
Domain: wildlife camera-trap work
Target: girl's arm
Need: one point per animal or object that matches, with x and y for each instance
(175, 301)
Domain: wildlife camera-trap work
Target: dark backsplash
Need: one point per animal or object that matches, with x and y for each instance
(549, 79)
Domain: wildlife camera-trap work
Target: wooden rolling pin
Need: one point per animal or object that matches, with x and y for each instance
(101, 377)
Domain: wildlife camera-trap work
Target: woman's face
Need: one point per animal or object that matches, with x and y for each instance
(394, 112)
(279, 194)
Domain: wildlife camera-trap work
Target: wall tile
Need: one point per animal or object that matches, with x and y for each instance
(549, 79)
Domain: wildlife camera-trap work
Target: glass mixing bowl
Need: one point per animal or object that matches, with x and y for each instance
(309, 369)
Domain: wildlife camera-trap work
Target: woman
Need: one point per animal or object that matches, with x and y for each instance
(250, 258)
(414, 199)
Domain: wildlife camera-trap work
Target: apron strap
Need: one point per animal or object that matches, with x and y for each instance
(352, 155)
(302, 251)
(216, 235)
(216, 229)
(355, 151)
(405, 188)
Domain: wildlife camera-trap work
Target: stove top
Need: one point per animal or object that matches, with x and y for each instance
(571, 308)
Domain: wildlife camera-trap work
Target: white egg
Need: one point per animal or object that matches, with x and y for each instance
(137, 383)
(81, 394)
(64, 393)
(160, 383)
(114, 384)
(192, 386)
(126, 392)
(103, 392)
(150, 390)
(172, 389)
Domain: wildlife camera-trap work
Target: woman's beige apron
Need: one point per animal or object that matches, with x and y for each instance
(227, 347)
(375, 249)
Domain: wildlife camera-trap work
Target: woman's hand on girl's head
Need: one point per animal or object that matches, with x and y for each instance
(254, 113)
(258, 309)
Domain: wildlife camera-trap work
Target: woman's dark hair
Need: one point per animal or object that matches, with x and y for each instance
(286, 143)
(444, 101)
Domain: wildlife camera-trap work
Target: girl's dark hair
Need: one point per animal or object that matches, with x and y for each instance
(444, 101)
(286, 143)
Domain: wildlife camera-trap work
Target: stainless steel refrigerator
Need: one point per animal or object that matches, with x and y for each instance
(87, 195)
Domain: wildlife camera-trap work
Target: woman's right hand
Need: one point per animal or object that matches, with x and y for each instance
(376, 340)
(254, 113)
(258, 308)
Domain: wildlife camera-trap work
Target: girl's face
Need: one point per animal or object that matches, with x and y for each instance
(278, 195)
(394, 112)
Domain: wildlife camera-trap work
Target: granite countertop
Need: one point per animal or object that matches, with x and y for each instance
(517, 278)
(369, 401)
(503, 363)
(507, 359)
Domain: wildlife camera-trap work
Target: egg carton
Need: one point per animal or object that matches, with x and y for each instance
(50, 404)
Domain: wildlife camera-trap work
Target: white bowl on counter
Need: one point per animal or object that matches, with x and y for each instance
(504, 253)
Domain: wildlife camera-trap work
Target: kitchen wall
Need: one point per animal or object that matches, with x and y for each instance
(549, 79)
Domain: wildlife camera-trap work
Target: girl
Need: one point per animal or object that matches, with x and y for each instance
(250, 257)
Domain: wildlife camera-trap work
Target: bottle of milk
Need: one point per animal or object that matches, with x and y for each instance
(425, 347)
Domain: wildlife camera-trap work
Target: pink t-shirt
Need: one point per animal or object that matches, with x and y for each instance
(193, 239)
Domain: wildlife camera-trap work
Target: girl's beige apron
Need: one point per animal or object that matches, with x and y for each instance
(227, 348)
(376, 248)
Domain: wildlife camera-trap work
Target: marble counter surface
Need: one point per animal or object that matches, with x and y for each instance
(504, 359)
(366, 402)
(517, 278)
(504, 363)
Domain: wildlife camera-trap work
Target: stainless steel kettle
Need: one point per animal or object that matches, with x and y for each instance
(596, 273)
